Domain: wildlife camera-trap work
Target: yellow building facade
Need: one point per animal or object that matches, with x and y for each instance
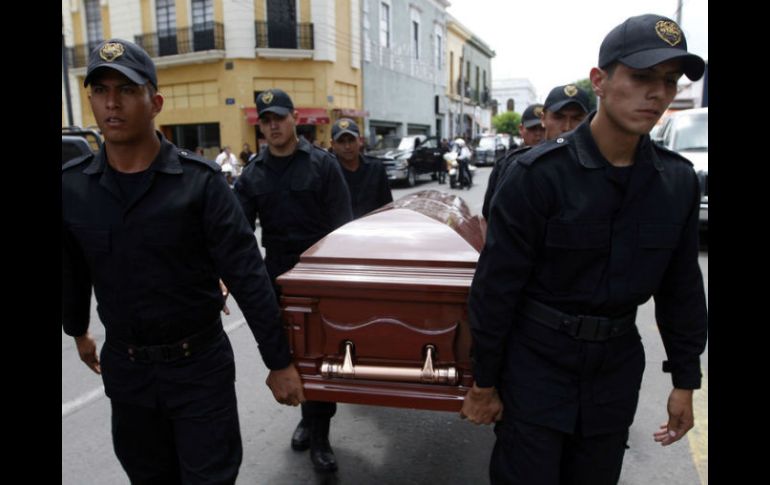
(214, 56)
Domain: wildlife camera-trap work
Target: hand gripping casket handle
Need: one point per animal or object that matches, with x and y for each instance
(425, 375)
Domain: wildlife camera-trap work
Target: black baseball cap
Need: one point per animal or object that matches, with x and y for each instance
(531, 115)
(345, 125)
(276, 101)
(647, 40)
(126, 58)
(561, 96)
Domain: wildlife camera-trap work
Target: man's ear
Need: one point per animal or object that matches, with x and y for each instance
(157, 104)
(598, 77)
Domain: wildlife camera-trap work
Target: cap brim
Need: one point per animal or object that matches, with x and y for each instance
(279, 110)
(343, 132)
(692, 65)
(560, 104)
(131, 74)
(531, 123)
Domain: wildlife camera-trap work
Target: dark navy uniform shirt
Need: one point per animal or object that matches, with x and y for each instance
(298, 199)
(369, 188)
(568, 231)
(154, 261)
(501, 165)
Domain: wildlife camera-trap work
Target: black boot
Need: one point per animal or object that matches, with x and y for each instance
(321, 453)
(300, 440)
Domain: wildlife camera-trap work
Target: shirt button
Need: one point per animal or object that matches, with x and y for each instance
(560, 140)
(183, 153)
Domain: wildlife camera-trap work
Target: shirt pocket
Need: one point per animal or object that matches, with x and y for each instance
(93, 240)
(655, 245)
(170, 233)
(576, 255)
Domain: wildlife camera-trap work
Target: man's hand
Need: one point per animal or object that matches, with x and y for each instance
(286, 386)
(225, 294)
(87, 349)
(482, 405)
(680, 417)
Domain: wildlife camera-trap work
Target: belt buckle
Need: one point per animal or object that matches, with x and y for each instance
(588, 328)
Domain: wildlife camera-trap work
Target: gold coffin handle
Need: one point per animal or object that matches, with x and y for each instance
(426, 375)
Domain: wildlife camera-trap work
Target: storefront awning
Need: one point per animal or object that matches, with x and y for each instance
(305, 116)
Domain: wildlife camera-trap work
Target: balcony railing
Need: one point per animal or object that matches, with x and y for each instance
(273, 35)
(200, 37)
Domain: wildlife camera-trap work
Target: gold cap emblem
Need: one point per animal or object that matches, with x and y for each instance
(111, 51)
(343, 124)
(267, 97)
(669, 32)
(570, 90)
(539, 111)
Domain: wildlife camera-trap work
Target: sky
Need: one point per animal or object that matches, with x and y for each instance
(555, 42)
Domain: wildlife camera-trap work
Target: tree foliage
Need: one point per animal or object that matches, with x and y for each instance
(585, 85)
(507, 122)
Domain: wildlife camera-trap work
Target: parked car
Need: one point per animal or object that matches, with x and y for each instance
(411, 157)
(76, 142)
(687, 133)
(489, 148)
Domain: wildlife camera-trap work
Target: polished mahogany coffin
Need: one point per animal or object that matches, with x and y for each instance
(377, 310)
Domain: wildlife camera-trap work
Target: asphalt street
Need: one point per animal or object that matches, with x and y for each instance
(375, 445)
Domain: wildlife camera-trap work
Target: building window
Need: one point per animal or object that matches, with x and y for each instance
(451, 72)
(415, 39)
(282, 24)
(203, 24)
(384, 24)
(165, 15)
(93, 24)
(509, 105)
(439, 46)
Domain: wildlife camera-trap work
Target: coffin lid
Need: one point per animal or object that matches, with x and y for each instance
(428, 228)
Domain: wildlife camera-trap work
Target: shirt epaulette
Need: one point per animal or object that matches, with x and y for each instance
(194, 157)
(539, 150)
(77, 161)
(675, 155)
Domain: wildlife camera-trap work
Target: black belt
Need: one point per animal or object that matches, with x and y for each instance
(581, 327)
(169, 352)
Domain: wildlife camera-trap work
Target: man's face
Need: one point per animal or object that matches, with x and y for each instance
(562, 121)
(635, 99)
(124, 111)
(532, 136)
(346, 147)
(279, 131)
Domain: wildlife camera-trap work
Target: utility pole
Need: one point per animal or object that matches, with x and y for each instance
(679, 13)
(462, 93)
(66, 77)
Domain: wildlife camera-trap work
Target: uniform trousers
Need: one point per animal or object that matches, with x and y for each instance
(530, 454)
(179, 424)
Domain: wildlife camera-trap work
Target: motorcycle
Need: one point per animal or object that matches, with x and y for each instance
(453, 167)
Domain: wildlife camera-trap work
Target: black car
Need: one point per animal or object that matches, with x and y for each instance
(489, 148)
(410, 158)
(76, 142)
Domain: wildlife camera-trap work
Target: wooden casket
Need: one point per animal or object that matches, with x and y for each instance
(376, 311)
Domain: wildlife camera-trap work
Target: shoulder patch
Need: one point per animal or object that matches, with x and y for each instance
(77, 161)
(665, 152)
(539, 150)
(194, 157)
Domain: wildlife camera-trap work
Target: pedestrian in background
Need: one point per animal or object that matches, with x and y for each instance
(583, 230)
(151, 228)
(299, 194)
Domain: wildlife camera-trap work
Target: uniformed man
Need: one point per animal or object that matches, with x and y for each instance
(300, 195)
(531, 127)
(151, 228)
(582, 230)
(365, 176)
(565, 107)
(532, 131)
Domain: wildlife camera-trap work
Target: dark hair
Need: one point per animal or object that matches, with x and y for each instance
(610, 69)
